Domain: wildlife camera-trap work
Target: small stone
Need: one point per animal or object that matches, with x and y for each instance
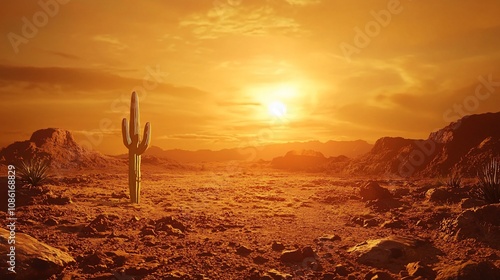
(51, 222)
(243, 251)
(330, 237)
(394, 224)
(415, 269)
(378, 275)
(148, 231)
(260, 260)
(370, 223)
(341, 270)
(277, 275)
(290, 256)
(278, 246)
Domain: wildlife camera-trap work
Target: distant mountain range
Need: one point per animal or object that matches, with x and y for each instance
(350, 149)
(463, 146)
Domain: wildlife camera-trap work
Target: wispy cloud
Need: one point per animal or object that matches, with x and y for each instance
(241, 20)
(303, 2)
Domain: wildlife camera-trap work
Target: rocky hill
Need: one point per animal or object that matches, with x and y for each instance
(463, 146)
(58, 147)
(305, 160)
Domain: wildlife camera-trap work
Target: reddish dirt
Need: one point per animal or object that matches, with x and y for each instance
(221, 223)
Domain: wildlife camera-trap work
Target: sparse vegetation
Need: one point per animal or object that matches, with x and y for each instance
(489, 182)
(454, 180)
(33, 172)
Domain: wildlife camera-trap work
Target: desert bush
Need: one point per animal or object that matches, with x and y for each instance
(488, 188)
(454, 180)
(33, 172)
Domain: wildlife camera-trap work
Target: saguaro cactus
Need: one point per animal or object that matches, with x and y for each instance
(136, 147)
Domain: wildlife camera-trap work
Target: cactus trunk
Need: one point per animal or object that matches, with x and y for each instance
(136, 146)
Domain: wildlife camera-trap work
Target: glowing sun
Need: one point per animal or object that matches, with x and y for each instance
(277, 109)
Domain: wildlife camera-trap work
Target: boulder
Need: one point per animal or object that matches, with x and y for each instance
(480, 223)
(33, 259)
(372, 191)
(392, 251)
(469, 270)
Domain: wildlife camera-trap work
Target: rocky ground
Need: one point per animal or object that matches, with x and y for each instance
(229, 222)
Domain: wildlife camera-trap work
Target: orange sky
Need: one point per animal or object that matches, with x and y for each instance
(229, 73)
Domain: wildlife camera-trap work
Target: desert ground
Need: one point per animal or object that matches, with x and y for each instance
(237, 221)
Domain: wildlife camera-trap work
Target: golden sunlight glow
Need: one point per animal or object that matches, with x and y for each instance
(277, 109)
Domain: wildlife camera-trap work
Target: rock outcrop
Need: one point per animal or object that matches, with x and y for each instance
(33, 259)
(463, 146)
(58, 147)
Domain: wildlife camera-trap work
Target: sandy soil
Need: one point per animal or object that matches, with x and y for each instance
(223, 222)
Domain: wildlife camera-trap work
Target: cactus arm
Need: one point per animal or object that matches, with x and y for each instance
(145, 140)
(127, 141)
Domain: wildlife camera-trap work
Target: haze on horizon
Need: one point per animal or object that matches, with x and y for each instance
(231, 73)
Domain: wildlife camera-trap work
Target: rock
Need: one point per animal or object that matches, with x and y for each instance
(59, 147)
(467, 203)
(94, 262)
(308, 252)
(291, 256)
(442, 195)
(100, 224)
(383, 205)
(470, 270)
(176, 275)
(330, 237)
(148, 230)
(143, 268)
(372, 190)
(243, 251)
(169, 223)
(51, 222)
(480, 223)
(328, 276)
(370, 223)
(378, 275)
(401, 191)
(416, 269)
(277, 246)
(392, 250)
(394, 224)
(59, 200)
(260, 260)
(118, 257)
(277, 275)
(170, 230)
(34, 259)
(341, 270)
